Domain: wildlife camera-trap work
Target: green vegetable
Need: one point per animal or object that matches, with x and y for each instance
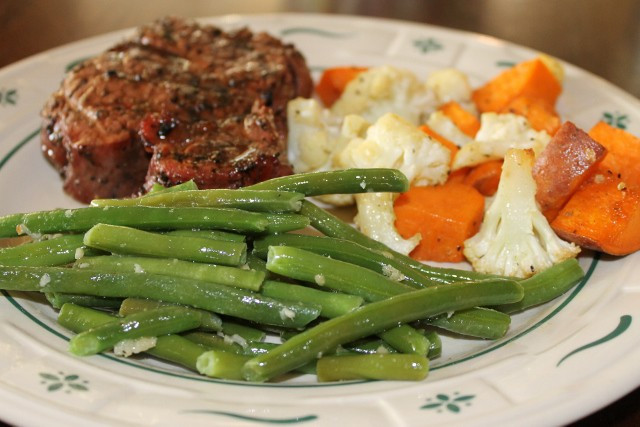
(130, 241)
(435, 343)
(215, 342)
(208, 320)
(221, 274)
(220, 364)
(547, 285)
(209, 234)
(377, 317)
(251, 200)
(332, 304)
(332, 274)
(247, 332)
(406, 339)
(347, 251)
(152, 323)
(208, 296)
(400, 367)
(55, 251)
(172, 348)
(347, 181)
(143, 217)
(478, 322)
(57, 300)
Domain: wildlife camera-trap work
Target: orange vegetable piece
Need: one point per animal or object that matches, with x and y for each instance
(465, 121)
(485, 177)
(623, 152)
(541, 114)
(569, 159)
(457, 175)
(333, 81)
(445, 216)
(602, 215)
(530, 79)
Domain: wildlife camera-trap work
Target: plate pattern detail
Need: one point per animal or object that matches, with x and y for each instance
(623, 325)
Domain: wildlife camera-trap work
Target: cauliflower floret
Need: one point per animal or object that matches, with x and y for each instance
(497, 134)
(313, 133)
(449, 85)
(515, 239)
(443, 125)
(386, 89)
(393, 142)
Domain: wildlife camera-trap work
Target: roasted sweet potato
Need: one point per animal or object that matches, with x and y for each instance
(465, 121)
(457, 175)
(604, 213)
(623, 152)
(445, 215)
(485, 177)
(568, 160)
(541, 114)
(532, 79)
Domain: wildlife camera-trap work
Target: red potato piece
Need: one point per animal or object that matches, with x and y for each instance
(568, 160)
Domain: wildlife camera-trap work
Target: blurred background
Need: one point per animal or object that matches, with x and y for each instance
(601, 36)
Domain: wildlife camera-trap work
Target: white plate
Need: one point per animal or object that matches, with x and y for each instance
(558, 363)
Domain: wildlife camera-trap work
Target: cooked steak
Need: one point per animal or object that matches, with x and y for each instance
(177, 101)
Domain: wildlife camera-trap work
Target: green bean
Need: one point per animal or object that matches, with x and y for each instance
(221, 274)
(220, 364)
(247, 332)
(130, 241)
(251, 200)
(332, 226)
(172, 348)
(209, 234)
(400, 367)
(547, 285)
(347, 251)
(478, 322)
(282, 223)
(57, 300)
(333, 274)
(435, 343)
(152, 323)
(349, 278)
(406, 339)
(348, 181)
(159, 188)
(56, 251)
(332, 304)
(260, 347)
(220, 299)
(216, 342)
(368, 346)
(208, 320)
(377, 317)
(144, 217)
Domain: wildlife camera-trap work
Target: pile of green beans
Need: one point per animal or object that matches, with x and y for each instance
(223, 282)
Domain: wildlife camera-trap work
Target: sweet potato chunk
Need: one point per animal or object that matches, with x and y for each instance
(603, 215)
(531, 79)
(623, 152)
(445, 215)
(568, 160)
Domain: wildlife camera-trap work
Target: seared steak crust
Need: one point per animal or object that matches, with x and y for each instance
(177, 101)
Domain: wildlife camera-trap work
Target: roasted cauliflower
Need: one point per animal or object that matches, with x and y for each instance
(515, 239)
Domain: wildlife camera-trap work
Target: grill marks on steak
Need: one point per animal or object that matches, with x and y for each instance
(178, 101)
(229, 153)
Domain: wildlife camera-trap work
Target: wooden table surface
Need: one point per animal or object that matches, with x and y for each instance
(601, 36)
